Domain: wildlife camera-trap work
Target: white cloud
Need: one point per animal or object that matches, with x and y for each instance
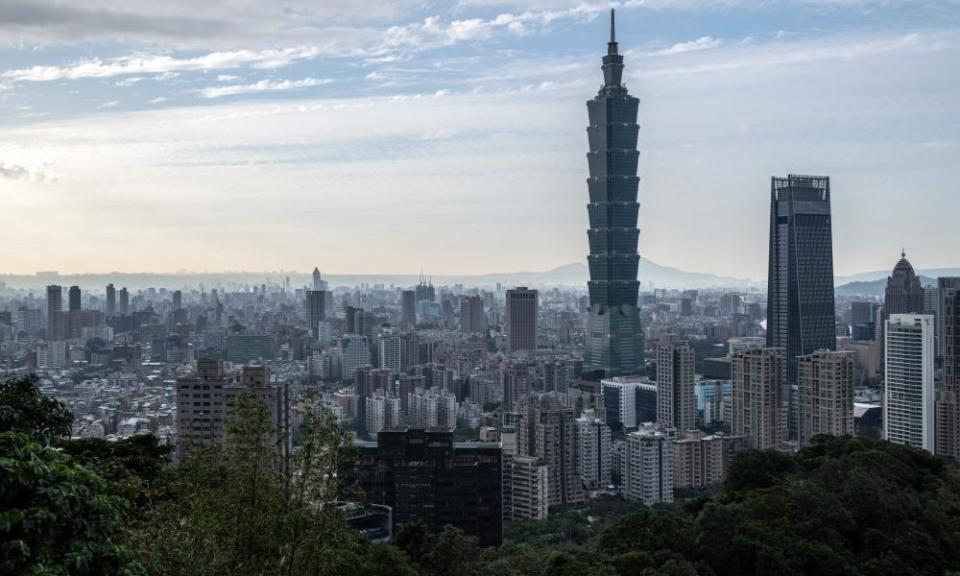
(128, 81)
(375, 76)
(439, 134)
(159, 100)
(227, 78)
(263, 86)
(109, 104)
(701, 43)
(40, 173)
(162, 64)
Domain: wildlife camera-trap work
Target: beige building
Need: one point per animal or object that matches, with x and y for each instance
(759, 406)
(824, 395)
(676, 403)
(647, 467)
(525, 488)
(699, 460)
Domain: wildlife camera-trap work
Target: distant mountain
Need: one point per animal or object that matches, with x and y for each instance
(865, 277)
(576, 274)
(877, 288)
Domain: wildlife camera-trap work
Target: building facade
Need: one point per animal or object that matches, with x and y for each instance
(824, 395)
(521, 326)
(759, 404)
(908, 398)
(614, 339)
(676, 401)
(647, 467)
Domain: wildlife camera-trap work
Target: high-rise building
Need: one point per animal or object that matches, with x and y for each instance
(389, 348)
(593, 451)
(548, 431)
(904, 294)
(355, 351)
(947, 439)
(526, 493)
(408, 308)
(863, 318)
(318, 282)
(111, 300)
(628, 402)
(759, 407)
(521, 327)
(908, 402)
(647, 466)
(614, 339)
(801, 317)
(471, 314)
(699, 460)
(824, 395)
(315, 309)
(424, 476)
(54, 307)
(124, 302)
(676, 402)
(75, 301)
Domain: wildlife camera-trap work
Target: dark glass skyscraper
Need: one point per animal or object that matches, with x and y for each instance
(614, 339)
(800, 305)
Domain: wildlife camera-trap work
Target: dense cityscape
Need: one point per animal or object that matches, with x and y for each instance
(504, 407)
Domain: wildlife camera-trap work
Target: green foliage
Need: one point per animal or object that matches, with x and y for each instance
(56, 517)
(23, 408)
(132, 467)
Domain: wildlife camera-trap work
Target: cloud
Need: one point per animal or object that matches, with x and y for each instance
(109, 104)
(227, 78)
(701, 43)
(439, 134)
(162, 64)
(128, 81)
(159, 100)
(41, 173)
(263, 86)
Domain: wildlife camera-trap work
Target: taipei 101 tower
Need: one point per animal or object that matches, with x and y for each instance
(614, 337)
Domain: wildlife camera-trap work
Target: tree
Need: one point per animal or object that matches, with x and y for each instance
(56, 517)
(23, 408)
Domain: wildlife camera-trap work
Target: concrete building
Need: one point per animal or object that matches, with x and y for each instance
(521, 325)
(408, 308)
(909, 395)
(526, 494)
(824, 395)
(676, 402)
(699, 460)
(389, 344)
(471, 314)
(548, 431)
(759, 406)
(315, 309)
(948, 397)
(593, 451)
(647, 466)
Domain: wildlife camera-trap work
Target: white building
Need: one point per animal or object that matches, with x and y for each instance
(593, 451)
(355, 351)
(647, 467)
(389, 347)
(908, 402)
(526, 494)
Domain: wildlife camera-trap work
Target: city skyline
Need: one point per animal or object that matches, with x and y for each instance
(153, 153)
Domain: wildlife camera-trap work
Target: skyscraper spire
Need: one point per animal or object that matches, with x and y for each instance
(613, 61)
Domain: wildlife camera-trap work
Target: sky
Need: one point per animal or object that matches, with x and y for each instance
(365, 136)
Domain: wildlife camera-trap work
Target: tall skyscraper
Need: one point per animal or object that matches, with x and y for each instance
(948, 397)
(124, 302)
(676, 402)
(908, 399)
(548, 431)
(315, 310)
(111, 300)
(177, 299)
(824, 395)
(521, 326)
(800, 303)
(471, 314)
(759, 400)
(408, 308)
(904, 294)
(54, 307)
(75, 303)
(614, 338)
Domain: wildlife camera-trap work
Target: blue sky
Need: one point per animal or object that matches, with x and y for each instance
(366, 136)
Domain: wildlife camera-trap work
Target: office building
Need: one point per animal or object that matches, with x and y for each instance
(800, 303)
(54, 307)
(614, 339)
(389, 349)
(408, 308)
(355, 352)
(111, 300)
(863, 318)
(248, 347)
(315, 309)
(676, 402)
(424, 476)
(628, 402)
(947, 439)
(471, 314)
(593, 451)
(759, 403)
(646, 468)
(903, 294)
(824, 395)
(318, 284)
(521, 326)
(75, 299)
(908, 400)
